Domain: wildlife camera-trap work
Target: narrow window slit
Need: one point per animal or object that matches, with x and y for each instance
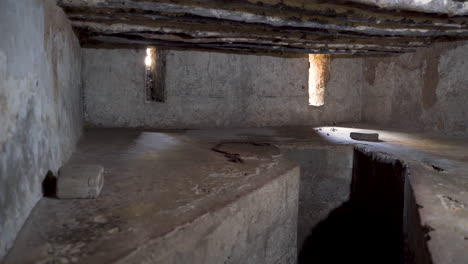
(155, 62)
(318, 78)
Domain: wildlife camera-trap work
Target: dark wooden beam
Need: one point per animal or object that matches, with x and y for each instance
(287, 25)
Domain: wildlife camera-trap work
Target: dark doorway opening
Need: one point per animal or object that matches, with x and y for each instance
(49, 185)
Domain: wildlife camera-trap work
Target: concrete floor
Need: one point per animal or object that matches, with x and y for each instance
(157, 182)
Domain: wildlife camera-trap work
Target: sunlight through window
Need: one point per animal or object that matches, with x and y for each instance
(149, 59)
(318, 78)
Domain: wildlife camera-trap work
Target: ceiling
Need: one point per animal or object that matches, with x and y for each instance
(303, 26)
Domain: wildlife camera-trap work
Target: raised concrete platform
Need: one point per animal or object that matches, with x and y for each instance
(170, 198)
(437, 178)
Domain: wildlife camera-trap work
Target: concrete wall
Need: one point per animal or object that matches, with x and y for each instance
(244, 231)
(426, 90)
(40, 99)
(216, 90)
(326, 173)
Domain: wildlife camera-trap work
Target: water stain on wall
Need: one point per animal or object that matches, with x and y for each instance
(56, 81)
(370, 68)
(3, 104)
(53, 40)
(3, 112)
(431, 80)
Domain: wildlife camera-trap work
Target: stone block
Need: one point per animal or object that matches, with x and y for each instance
(80, 182)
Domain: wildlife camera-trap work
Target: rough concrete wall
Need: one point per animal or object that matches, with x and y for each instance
(259, 228)
(426, 90)
(326, 174)
(216, 90)
(40, 100)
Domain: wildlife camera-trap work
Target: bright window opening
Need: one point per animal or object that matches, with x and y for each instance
(149, 59)
(318, 78)
(155, 62)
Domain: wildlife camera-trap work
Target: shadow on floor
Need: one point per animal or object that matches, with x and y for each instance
(353, 233)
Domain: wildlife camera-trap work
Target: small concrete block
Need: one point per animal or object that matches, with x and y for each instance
(365, 136)
(80, 182)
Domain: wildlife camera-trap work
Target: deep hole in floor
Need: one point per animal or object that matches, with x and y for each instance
(375, 224)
